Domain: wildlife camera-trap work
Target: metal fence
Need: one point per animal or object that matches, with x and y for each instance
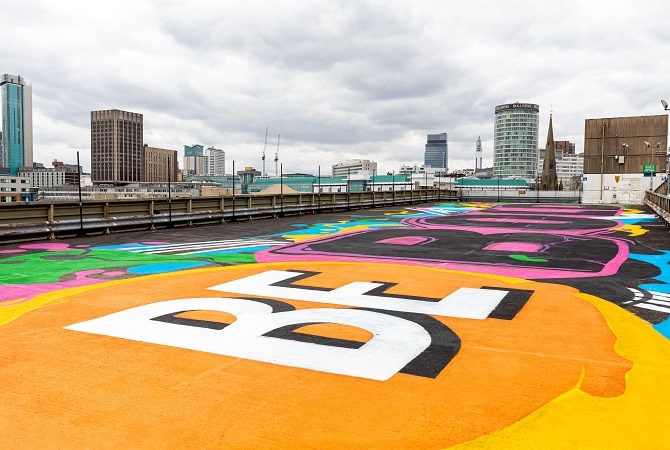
(50, 220)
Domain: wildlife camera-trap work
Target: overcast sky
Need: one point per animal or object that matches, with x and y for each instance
(337, 79)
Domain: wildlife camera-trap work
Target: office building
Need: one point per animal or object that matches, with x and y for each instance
(623, 157)
(354, 166)
(515, 140)
(117, 146)
(160, 165)
(17, 123)
(200, 162)
(215, 161)
(14, 189)
(436, 153)
(194, 161)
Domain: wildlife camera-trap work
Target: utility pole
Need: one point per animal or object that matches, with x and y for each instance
(264, 147)
(277, 157)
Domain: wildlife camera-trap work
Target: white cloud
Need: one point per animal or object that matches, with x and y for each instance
(337, 79)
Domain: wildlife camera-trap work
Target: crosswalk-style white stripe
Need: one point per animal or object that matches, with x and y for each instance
(652, 300)
(653, 307)
(190, 248)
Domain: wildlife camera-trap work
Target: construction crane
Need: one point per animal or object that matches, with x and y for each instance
(264, 146)
(277, 157)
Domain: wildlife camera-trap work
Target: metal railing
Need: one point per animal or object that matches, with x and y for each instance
(50, 220)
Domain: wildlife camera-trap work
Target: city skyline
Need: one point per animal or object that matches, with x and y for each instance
(337, 80)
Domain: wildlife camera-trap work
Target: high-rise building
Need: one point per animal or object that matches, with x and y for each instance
(160, 165)
(215, 161)
(436, 154)
(117, 146)
(17, 123)
(515, 140)
(199, 161)
(194, 161)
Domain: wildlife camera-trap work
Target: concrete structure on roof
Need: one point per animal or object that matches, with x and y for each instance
(623, 157)
(16, 150)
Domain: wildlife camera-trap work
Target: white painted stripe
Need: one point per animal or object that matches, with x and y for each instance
(659, 302)
(653, 307)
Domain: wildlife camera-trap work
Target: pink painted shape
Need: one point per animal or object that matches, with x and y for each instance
(156, 243)
(17, 250)
(406, 240)
(28, 291)
(114, 274)
(529, 273)
(515, 247)
(509, 220)
(50, 247)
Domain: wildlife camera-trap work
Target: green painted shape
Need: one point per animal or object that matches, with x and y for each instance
(528, 258)
(41, 268)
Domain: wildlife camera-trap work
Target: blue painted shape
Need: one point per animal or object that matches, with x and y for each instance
(661, 261)
(254, 249)
(150, 269)
(663, 328)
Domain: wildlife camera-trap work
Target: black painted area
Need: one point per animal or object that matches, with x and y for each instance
(511, 304)
(444, 346)
(288, 332)
(171, 318)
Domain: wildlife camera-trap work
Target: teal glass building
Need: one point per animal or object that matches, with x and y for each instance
(17, 123)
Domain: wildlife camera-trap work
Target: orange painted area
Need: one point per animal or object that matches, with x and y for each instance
(63, 388)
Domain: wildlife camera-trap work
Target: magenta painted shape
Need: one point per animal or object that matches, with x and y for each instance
(50, 247)
(407, 240)
(28, 291)
(515, 247)
(114, 274)
(6, 252)
(519, 220)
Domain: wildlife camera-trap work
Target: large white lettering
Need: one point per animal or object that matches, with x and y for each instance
(395, 342)
(465, 303)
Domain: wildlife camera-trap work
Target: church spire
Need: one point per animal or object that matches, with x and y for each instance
(549, 177)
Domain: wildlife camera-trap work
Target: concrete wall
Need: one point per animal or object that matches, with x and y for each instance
(618, 188)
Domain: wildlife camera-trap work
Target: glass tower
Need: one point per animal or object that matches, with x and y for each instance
(17, 123)
(515, 140)
(436, 151)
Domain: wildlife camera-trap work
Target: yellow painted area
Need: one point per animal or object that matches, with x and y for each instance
(632, 230)
(632, 211)
(636, 419)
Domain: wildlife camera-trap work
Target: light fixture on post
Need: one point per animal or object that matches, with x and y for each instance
(651, 167)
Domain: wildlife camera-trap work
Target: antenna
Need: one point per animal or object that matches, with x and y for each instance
(264, 146)
(277, 156)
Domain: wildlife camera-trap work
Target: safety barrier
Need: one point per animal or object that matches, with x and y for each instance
(659, 203)
(50, 220)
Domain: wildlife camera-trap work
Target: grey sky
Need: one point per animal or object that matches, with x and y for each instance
(337, 79)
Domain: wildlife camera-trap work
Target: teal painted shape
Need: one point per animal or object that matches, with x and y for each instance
(150, 269)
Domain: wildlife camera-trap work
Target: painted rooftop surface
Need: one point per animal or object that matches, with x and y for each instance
(437, 326)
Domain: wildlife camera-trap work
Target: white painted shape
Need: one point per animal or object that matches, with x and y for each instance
(395, 341)
(653, 307)
(465, 303)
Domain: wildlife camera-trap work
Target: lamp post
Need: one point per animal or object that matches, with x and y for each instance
(498, 188)
(319, 208)
(651, 163)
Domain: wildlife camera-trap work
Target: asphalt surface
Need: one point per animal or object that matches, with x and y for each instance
(431, 326)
